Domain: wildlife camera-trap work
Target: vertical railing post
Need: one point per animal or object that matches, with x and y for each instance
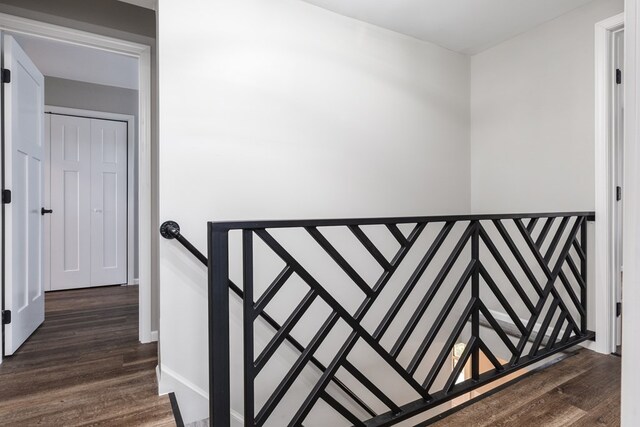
(219, 399)
(583, 272)
(248, 318)
(475, 295)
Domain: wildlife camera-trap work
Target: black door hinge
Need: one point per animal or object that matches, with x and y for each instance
(5, 75)
(618, 309)
(618, 193)
(6, 317)
(618, 76)
(6, 196)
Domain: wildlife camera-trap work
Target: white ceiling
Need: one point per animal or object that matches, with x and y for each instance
(466, 26)
(56, 59)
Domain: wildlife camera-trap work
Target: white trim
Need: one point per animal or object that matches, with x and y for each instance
(505, 318)
(131, 143)
(604, 258)
(143, 54)
(154, 336)
(630, 410)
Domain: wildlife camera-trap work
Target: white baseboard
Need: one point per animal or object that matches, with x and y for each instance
(192, 399)
(504, 317)
(154, 336)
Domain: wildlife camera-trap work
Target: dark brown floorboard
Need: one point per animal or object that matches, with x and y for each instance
(85, 366)
(581, 390)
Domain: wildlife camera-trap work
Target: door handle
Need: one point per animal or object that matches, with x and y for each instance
(45, 211)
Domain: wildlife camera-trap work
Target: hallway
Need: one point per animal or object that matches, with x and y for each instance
(84, 366)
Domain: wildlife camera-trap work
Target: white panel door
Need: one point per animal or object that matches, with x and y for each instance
(24, 160)
(108, 202)
(71, 202)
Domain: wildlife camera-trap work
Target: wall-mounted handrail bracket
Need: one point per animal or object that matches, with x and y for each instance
(170, 230)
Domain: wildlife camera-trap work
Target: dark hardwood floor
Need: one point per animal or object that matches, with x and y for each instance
(85, 366)
(582, 390)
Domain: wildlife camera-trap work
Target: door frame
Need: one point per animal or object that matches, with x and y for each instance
(142, 52)
(604, 260)
(100, 115)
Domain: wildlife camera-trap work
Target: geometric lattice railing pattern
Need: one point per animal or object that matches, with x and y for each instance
(354, 322)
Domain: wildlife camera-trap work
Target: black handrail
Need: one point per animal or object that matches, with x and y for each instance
(171, 230)
(565, 319)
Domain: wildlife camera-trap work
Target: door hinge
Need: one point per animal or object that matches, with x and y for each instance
(618, 309)
(5, 75)
(6, 196)
(618, 76)
(618, 193)
(6, 317)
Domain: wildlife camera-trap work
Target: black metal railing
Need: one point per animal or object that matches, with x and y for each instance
(402, 292)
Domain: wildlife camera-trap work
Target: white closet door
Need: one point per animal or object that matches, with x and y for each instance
(108, 202)
(70, 202)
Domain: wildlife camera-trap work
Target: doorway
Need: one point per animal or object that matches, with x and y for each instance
(73, 39)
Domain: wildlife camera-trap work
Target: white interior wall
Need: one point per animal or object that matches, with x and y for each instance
(292, 112)
(532, 120)
(294, 118)
(532, 117)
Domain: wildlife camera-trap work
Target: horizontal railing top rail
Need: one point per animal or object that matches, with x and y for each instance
(331, 222)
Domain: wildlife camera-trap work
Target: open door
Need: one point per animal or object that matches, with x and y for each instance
(24, 177)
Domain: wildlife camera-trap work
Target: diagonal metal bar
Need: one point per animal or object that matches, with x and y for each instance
(506, 270)
(532, 224)
(351, 341)
(448, 345)
(556, 331)
(572, 295)
(489, 354)
(375, 390)
(518, 255)
(272, 290)
(397, 234)
(431, 293)
(339, 259)
(359, 331)
(497, 328)
(556, 239)
(576, 273)
(413, 280)
(545, 231)
(368, 244)
(542, 332)
(442, 316)
(469, 350)
(549, 287)
(284, 331)
(296, 369)
(501, 298)
(341, 410)
(551, 275)
(567, 334)
(579, 250)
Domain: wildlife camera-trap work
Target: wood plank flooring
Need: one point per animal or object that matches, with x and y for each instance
(582, 390)
(85, 366)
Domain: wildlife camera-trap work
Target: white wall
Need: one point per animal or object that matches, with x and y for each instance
(285, 110)
(532, 117)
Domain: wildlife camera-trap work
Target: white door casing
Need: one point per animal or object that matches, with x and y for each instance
(108, 202)
(24, 176)
(71, 202)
